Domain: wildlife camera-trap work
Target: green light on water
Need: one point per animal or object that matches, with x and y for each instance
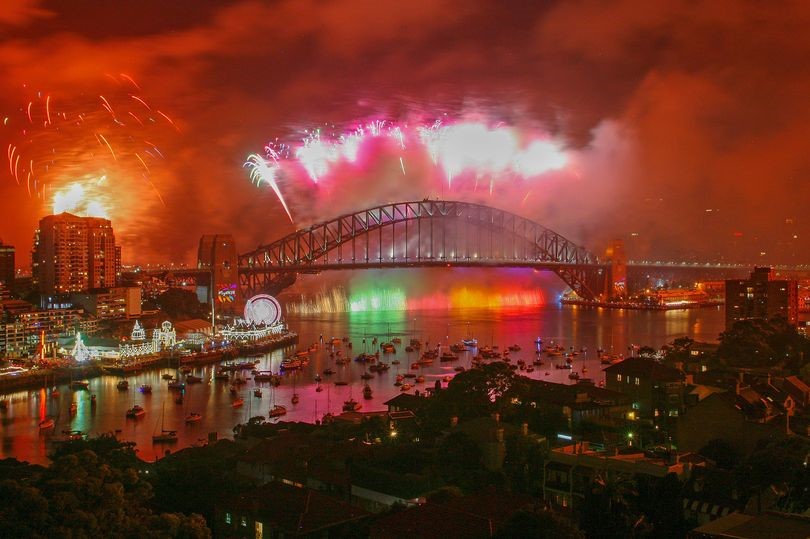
(386, 299)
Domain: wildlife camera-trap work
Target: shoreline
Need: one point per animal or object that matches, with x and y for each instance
(60, 375)
(640, 306)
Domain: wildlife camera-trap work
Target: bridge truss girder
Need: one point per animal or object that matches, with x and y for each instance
(420, 234)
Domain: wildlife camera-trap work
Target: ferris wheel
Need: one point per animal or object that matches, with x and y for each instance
(263, 309)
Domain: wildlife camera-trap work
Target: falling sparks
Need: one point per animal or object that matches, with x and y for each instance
(55, 140)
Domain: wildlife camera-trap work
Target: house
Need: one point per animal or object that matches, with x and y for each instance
(569, 470)
(577, 403)
(796, 388)
(280, 510)
(711, 493)
(762, 526)
(739, 418)
(476, 515)
(656, 390)
(406, 402)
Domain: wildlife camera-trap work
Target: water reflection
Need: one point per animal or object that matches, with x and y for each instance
(578, 327)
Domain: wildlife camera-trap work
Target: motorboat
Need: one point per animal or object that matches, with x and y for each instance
(239, 401)
(79, 384)
(193, 417)
(47, 423)
(136, 411)
(146, 388)
(257, 392)
(351, 405)
(367, 392)
(277, 411)
(122, 385)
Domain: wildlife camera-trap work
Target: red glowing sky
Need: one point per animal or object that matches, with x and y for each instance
(672, 108)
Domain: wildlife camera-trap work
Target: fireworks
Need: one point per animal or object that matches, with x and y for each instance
(72, 148)
(463, 149)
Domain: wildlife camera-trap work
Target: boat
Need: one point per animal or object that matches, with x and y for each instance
(573, 376)
(328, 372)
(221, 375)
(191, 379)
(122, 385)
(367, 392)
(185, 370)
(366, 376)
(538, 341)
(420, 379)
(405, 387)
(237, 402)
(47, 423)
(351, 405)
(319, 388)
(167, 376)
(396, 340)
(136, 411)
(232, 390)
(257, 392)
(459, 368)
(176, 384)
(93, 400)
(165, 437)
(448, 356)
(295, 398)
(277, 411)
(290, 364)
(470, 342)
(458, 347)
(514, 348)
(193, 417)
(79, 384)
(55, 392)
(341, 383)
(146, 388)
(73, 408)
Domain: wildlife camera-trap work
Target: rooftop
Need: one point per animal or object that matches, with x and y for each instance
(762, 526)
(294, 511)
(645, 368)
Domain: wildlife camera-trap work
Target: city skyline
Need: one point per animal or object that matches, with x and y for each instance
(697, 136)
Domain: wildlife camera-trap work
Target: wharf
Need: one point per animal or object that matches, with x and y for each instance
(632, 305)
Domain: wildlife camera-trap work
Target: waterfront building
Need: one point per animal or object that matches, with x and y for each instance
(163, 338)
(7, 254)
(74, 254)
(656, 390)
(242, 330)
(27, 331)
(761, 296)
(110, 303)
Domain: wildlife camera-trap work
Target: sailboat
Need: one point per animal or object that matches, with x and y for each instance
(295, 397)
(277, 410)
(165, 436)
(192, 417)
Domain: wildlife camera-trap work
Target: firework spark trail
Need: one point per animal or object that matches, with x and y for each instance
(54, 141)
(474, 150)
(263, 171)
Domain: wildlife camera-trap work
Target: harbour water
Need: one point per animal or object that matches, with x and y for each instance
(570, 326)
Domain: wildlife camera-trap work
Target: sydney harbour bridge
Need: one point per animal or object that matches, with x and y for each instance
(430, 233)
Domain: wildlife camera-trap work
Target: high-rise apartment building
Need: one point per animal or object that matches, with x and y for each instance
(74, 254)
(6, 264)
(761, 296)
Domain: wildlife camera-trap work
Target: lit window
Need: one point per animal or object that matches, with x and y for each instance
(259, 530)
(638, 381)
(628, 378)
(244, 522)
(227, 518)
(618, 377)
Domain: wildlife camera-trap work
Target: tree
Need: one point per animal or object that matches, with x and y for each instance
(721, 452)
(83, 495)
(476, 392)
(540, 523)
(757, 343)
(181, 304)
(646, 352)
(606, 510)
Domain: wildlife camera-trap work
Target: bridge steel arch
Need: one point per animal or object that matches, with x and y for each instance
(422, 234)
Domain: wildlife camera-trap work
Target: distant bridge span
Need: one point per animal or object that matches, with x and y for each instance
(427, 233)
